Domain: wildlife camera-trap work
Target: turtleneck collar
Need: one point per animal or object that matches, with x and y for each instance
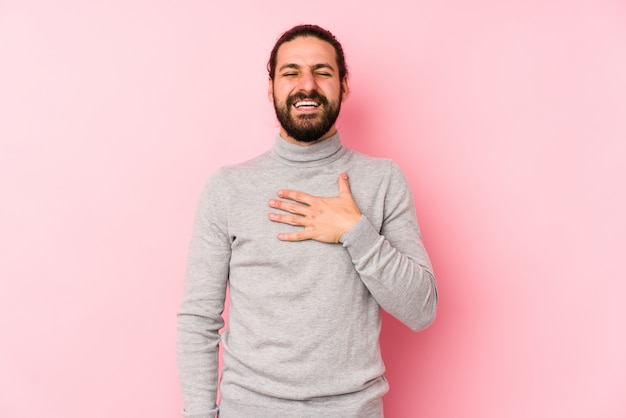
(320, 153)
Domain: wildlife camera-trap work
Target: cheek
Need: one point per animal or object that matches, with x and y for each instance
(280, 93)
(332, 90)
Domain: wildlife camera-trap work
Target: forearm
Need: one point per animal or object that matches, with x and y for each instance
(197, 357)
(398, 276)
(199, 322)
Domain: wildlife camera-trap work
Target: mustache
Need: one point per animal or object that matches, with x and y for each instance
(304, 96)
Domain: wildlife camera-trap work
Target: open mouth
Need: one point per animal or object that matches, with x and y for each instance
(305, 104)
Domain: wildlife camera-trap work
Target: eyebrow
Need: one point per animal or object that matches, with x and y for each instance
(314, 67)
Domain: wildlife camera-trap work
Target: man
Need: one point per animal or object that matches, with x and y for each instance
(309, 256)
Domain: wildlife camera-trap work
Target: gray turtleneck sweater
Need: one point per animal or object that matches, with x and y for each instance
(304, 317)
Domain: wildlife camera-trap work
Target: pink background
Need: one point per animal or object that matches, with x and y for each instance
(508, 117)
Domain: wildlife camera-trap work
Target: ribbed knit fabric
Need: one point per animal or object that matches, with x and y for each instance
(304, 316)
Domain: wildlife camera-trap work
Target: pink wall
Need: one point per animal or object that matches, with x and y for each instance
(509, 119)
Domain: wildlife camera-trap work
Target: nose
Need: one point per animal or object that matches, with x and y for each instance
(307, 82)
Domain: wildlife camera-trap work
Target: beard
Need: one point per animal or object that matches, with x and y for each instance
(307, 127)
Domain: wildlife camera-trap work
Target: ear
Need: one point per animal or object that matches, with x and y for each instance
(345, 89)
(270, 89)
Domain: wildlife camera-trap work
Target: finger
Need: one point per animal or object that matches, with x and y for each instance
(288, 207)
(285, 219)
(294, 236)
(296, 196)
(344, 184)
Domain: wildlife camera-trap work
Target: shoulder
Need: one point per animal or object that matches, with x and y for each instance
(374, 166)
(229, 172)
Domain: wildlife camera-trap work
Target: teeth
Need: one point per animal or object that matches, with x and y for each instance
(306, 103)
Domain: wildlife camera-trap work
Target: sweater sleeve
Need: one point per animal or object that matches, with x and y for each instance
(393, 262)
(200, 314)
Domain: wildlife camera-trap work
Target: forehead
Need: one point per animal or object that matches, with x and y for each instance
(306, 51)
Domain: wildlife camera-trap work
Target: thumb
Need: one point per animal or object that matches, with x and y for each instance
(344, 184)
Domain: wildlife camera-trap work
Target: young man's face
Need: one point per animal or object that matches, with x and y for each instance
(306, 90)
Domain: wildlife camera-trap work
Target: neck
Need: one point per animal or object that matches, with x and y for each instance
(314, 155)
(332, 131)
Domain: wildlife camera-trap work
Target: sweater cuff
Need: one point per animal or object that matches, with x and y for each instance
(361, 238)
(210, 414)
